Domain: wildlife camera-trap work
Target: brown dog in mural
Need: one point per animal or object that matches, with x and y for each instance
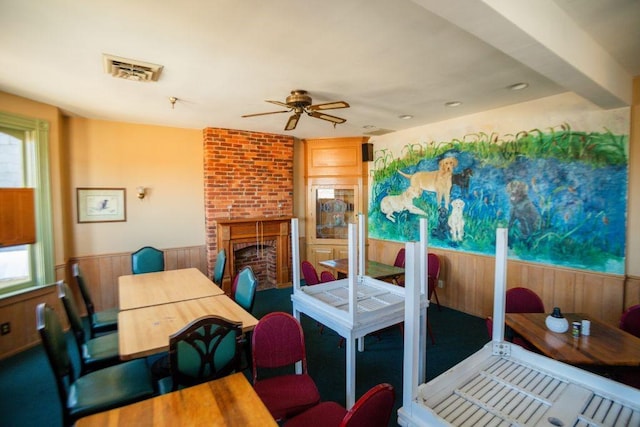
(522, 209)
(438, 182)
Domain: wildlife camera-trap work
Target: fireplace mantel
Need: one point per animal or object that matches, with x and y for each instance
(245, 230)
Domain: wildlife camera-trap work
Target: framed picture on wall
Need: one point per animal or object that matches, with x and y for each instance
(101, 204)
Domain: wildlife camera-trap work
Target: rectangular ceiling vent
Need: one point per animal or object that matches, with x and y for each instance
(378, 132)
(130, 69)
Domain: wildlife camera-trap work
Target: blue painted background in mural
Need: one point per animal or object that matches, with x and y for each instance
(562, 193)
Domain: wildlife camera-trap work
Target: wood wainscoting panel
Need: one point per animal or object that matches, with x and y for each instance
(20, 312)
(631, 291)
(101, 272)
(469, 283)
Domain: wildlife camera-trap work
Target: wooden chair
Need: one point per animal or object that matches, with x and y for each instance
(205, 349)
(278, 343)
(95, 353)
(218, 269)
(96, 391)
(373, 409)
(99, 321)
(147, 260)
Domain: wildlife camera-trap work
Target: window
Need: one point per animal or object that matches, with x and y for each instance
(24, 162)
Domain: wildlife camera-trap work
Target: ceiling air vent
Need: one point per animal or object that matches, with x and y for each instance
(378, 132)
(130, 69)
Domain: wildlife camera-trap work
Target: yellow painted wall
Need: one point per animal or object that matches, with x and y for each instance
(167, 161)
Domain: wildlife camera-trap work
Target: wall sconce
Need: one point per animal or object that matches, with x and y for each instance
(141, 192)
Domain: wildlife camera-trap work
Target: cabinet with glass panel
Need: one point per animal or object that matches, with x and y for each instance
(334, 178)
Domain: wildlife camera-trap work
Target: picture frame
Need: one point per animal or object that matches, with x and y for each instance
(101, 205)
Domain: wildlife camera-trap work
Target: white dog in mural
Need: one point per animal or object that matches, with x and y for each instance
(401, 202)
(456, 221)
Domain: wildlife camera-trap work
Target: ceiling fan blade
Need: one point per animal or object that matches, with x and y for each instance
(292, 122)
(328, 106)
(264, 114)
(282, 104)
(327, 117)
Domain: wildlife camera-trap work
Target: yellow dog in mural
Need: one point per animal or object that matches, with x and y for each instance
(438, 182)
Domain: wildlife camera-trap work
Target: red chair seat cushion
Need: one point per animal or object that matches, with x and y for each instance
(321, 415)
(287, 395)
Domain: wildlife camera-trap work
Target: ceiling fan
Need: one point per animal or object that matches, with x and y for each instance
(299, 102)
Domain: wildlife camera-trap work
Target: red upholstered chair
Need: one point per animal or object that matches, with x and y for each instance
(519, 300)
(373, 409)
(399, 262)
(327, 276)
(277, 344)
(433, 265)
(309, 273)
(523, 300)
(630, 322)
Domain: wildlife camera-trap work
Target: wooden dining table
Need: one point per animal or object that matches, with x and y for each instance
(162, 287)
(226, 402)
(374, 269)
(605, 346)
(145, 331)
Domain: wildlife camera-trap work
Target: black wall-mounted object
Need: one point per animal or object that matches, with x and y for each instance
(367, 152)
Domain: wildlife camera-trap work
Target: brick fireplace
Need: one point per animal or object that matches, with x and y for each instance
(248, 176)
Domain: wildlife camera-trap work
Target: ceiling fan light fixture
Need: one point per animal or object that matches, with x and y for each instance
(299, 102)
(453, 104)
(405, 116)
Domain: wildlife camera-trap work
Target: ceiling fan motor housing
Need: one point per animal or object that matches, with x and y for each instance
(299, 98)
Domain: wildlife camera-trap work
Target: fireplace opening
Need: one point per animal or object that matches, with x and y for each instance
(262, 260)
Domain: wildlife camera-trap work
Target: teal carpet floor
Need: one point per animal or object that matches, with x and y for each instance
(29, 396)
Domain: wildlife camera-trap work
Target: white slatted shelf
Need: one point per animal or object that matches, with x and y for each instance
(506, 385)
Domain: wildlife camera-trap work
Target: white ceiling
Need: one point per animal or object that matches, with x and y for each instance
(386, 58)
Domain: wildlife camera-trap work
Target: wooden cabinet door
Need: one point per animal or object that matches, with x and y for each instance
(17, 216)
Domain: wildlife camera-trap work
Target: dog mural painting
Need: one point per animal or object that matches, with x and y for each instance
(562, 194)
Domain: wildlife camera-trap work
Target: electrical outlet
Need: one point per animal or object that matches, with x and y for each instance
(441, 284)
(5, 328)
